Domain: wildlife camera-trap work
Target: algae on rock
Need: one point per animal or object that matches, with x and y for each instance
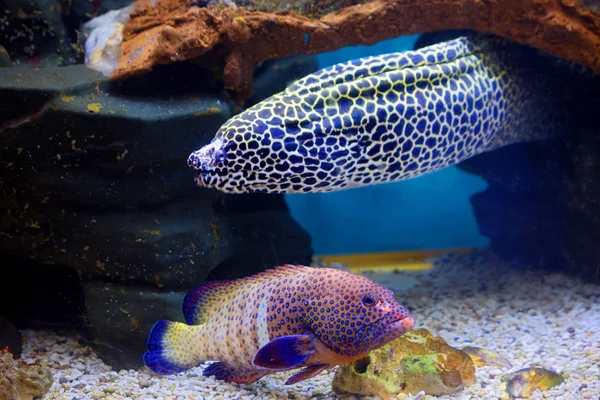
(22, 381)
(311, 9)
(417, 361)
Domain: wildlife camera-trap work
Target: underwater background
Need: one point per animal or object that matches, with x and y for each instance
(105, 234)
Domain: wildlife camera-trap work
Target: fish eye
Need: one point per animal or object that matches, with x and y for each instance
(220, 155)
(368, 300)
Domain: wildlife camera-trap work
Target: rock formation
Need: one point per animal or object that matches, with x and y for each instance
(232, 40)
(102, 224)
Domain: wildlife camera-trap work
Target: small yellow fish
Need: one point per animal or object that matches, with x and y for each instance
(285, 318)
(524, 382)
(482, 357)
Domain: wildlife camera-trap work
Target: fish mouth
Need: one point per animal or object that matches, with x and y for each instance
(235, 183)
(388, 331)
(402, 324)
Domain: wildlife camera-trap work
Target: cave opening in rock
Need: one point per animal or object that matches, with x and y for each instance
(361, 365)
(42, 295)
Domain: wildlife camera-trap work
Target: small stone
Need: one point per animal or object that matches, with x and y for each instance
(143, 381)
(524, 382)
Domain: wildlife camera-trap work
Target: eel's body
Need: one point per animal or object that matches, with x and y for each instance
(386, 118)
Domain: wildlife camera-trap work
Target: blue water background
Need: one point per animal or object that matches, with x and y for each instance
(429, 212)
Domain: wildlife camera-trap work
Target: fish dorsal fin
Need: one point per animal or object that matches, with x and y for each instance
(279, 271)
(209, 297)
(206, 299)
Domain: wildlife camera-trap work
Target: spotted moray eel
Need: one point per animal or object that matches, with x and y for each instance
(387, 118)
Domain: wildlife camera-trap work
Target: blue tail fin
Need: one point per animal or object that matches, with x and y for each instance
(168, 349)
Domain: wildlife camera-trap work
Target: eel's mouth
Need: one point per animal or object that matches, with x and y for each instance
(230, 181)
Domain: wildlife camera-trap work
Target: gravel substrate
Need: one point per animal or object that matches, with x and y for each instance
(532, 318)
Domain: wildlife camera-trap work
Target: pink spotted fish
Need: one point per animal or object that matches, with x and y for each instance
(284, 318)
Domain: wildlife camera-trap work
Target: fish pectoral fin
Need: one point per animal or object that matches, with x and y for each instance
(285, 352)
(306, 373)
(228, 373)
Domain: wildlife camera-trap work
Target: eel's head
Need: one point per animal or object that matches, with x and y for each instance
(231, 167)
(249, 157)
(214, 170)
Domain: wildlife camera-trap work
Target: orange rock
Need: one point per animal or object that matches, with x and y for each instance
(233, 40)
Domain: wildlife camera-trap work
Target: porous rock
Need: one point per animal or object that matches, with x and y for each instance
(415, 362)
(22, 381)
(94, 178)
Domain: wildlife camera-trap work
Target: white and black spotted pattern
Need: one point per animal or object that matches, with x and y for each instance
(380, 119)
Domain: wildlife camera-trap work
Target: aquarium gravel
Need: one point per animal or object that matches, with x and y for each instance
(531, 317)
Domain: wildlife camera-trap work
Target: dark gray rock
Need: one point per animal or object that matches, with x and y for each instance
(34, 32)
(10, 337)
(582, 220)
(523, 209)
(46, 32)
(541, 207)
(80, 11)
(41, 295)
(96, 180)
(119, 318)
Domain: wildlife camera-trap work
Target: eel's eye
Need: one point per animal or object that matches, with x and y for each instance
(368, 300)
(220, 155)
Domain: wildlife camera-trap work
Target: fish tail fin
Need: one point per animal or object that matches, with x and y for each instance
(173, 347)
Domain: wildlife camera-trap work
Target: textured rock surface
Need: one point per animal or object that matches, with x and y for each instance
(234, 40)
(541, 209)
(10, 337)
(582, 220)
(120, 329)
(44, 32)
(523, 209)
(95, 178)
(308, 8)
(415, 362)
(21, 381)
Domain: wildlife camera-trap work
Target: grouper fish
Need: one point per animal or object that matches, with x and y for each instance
(285, 318)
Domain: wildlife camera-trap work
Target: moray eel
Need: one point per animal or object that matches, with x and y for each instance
(387, 118)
